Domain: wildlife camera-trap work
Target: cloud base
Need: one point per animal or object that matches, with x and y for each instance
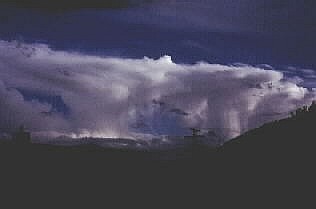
(67, 93)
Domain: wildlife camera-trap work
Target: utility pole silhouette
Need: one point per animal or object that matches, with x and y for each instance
(22, 136)
(195, 131)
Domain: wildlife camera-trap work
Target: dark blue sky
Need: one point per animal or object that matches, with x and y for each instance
(279, 33)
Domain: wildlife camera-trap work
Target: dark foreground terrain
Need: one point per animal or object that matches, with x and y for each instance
(272, 166)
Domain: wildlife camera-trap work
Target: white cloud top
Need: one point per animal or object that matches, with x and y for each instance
(116, 97)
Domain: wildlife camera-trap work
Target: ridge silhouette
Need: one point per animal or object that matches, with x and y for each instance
(273, 164)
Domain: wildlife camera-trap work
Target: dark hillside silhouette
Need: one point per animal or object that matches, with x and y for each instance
(271, 164)
(295, 134)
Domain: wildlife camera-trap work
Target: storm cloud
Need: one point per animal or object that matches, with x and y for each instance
(268, 17)
(62, 6)
(68, 93)
(256, 16)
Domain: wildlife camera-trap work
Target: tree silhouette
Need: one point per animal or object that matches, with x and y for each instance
(312, 108)
(302, 111)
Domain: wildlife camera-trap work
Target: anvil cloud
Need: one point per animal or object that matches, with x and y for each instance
(139, 98)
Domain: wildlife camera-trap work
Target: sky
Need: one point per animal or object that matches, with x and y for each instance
(143, 69)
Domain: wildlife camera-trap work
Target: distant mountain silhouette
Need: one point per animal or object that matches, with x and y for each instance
(271, 165)
(293, 137)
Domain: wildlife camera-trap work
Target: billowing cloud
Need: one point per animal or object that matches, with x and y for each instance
(75, 94)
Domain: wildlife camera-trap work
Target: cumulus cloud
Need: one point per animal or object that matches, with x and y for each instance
(301, 76)
(67, 93)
